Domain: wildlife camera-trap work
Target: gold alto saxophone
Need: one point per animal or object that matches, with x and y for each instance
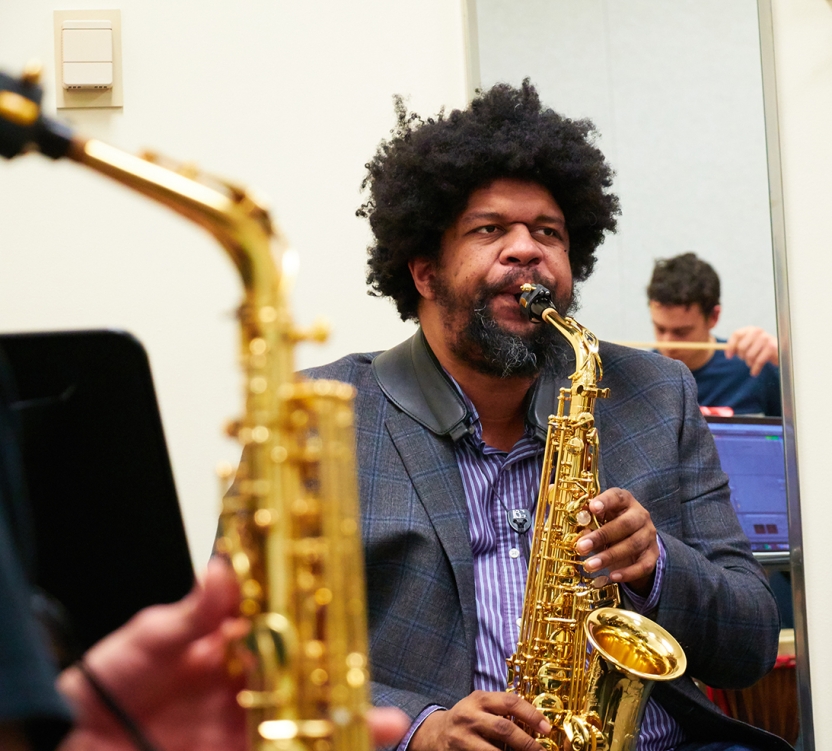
(585, 664)
(289, 525)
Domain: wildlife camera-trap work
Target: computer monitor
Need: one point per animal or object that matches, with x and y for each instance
(751, 452)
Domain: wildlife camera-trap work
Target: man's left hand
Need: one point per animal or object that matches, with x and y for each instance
(626, 542)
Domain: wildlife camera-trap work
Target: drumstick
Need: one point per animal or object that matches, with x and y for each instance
(675, 345)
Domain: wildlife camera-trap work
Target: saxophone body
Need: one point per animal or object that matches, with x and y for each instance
(585, 664)
(289, 524)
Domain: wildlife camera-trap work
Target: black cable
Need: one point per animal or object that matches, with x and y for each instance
(127, 722)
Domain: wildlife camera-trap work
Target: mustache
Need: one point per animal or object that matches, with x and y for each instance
(564, 301)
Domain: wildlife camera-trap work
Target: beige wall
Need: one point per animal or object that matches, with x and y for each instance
(803, 48)
(288, 97)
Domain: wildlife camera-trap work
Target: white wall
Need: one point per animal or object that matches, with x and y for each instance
(803, 48)
(290, 98)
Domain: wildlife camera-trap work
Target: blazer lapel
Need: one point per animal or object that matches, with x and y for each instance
(431, 465)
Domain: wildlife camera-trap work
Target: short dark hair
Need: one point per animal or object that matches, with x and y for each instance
(420, 180)
(684, 280)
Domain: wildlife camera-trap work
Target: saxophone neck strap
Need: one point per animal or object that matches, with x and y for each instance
(412, 378)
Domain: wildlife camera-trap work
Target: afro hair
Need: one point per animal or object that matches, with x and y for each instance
(420, 180)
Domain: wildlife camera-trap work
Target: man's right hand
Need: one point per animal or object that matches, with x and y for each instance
(754, 347)
(480, 723)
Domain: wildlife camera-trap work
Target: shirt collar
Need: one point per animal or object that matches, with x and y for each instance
(412, 378)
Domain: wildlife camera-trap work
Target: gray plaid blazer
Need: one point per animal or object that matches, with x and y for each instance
(654, 443)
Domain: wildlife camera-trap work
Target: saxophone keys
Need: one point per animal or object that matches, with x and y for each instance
(258, 346)
(283, 730)
(581, 735)
(549, 705)
(575, 445)
(551, 678)
(258, 385)
(319, 677)
(263, 518)
(583, 517)
(267, 314)
(249, 607)
(317, 332)
(279, 454)
(251, 589)
(356, 677)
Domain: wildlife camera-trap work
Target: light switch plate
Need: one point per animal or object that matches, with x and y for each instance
(77, 98)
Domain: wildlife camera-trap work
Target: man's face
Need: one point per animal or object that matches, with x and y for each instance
(511, 232)
(683, 323)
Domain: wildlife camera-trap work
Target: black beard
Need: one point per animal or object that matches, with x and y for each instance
(494, 351)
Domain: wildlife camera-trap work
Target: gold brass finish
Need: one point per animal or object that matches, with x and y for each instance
(587, 665)
(675, 345)
(32, 72)
(18, 109)
(291, 514)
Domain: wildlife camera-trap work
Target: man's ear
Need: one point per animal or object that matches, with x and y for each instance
(713, 318)
(423, 271)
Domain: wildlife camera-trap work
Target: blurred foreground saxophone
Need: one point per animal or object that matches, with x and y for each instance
(289, 524)
(588, 666)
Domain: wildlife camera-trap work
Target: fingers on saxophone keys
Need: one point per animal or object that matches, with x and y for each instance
(503, 733)
(511, 734)
(585, 545)
(597, 508)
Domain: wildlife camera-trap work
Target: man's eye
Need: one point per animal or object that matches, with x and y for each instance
(549, 232)
(488, 229)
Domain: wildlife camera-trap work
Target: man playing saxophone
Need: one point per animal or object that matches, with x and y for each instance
(466, 208)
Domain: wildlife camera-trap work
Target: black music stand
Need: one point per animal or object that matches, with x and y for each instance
(108, 531)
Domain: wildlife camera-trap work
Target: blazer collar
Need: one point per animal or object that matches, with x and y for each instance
(412, 378)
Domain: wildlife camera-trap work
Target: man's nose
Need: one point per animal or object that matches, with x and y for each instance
(520, 248)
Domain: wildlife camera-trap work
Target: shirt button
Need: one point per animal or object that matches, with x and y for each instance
(514, 553)
(519, 622)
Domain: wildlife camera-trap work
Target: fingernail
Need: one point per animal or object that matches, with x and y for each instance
(596, 506)
(584, 546)
(592, 564)
(544, 728)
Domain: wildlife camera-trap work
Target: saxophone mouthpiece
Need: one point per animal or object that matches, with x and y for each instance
(535, 300)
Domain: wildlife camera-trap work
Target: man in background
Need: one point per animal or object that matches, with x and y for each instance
(684, 298)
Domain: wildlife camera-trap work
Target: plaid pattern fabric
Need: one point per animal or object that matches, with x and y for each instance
(654, 443)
